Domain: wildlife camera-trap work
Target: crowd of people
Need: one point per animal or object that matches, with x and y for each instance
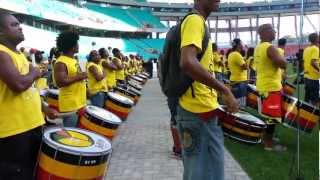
(194, 114)
(24, 75)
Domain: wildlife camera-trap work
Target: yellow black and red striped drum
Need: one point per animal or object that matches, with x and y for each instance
(289, 88)
(242, 126)
(308, 114)
(129, 94)
(72, 154)
(134, 85)
(143, 76)
(146, 74)
(136, 92)
(252, 96)
(100, 121)
(52, 97)
(119, 105)
(138, 79)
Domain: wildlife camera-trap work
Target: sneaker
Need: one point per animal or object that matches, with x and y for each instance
(275, 148)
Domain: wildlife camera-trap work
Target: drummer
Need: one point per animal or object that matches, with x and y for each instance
(69, 78)
(269, 86)
(117, 60)
(96, 80)
(21, 118)
(109, 67)
(311, 59)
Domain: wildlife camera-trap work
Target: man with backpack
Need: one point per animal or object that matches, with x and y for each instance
(187, 72)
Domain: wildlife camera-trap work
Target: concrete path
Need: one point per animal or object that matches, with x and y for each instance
(142, 149)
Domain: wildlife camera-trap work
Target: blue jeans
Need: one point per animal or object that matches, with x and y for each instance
(203, 150)
(98, 99)
(239, 90)
(70, 121)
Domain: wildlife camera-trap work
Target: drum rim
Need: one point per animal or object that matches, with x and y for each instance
(130, 101)
(245, 120)
(133, 84)
(137, 78)
(105, 120)
(53, 91)
(62, 148)
(125, 91)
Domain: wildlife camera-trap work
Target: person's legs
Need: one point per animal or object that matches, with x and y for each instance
(200, 141)
(70, 121)
(239, 90)
(312, 95)
(172, 104)
(19, 155)
(97, 99)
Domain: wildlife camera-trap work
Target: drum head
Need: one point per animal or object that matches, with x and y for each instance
(132, 83)
(137, 78)
(53, 91)
(43, 92)
(76, 141)
(120, 98)
(134, 91)
(102, 114)
(249, 118)
(253, 87)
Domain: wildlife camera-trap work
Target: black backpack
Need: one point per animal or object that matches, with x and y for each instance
(173, 81)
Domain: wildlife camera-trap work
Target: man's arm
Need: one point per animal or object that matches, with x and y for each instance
(315, 65)
(96, 74)
(277, 59)
(62, 78)
(12, 77)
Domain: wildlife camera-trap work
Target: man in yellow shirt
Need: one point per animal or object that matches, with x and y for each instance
(109, 67)
(239, 72)
(96, 80)
(311, 59)
(269, 64)
(200, 132)
(69, 78)
(21, 118)
(117, 60)
(218, 64)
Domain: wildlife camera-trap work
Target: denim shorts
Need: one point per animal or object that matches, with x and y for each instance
(202, 147)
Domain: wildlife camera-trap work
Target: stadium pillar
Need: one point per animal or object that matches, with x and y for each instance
(237, 27)
(216, 31)
(278, 27)
(251, 33)
(257, 23)
(296, 26)
(230, 30)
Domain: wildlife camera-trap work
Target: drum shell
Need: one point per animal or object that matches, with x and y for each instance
(117, 107)
(241, 129)
(57, 164)
(105, 128)
(252, 97)
(52, 99)
(308, 115)
(143, 77)
(135, 86)
(289, 89)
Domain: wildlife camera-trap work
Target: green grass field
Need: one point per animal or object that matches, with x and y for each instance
(264, 165)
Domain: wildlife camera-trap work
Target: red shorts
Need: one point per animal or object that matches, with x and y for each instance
(271, 107)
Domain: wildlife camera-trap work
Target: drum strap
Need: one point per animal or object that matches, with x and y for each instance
(206, 116)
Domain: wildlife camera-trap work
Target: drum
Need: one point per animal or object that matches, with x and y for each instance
(52, 96)
(100, 121)
(136, 92)
(289, 88)
(126, 93)
(119, 105)
(146, 74)
(242, 126)
(252, 96)
(140, 80)
(134, 85)
(145, 78)
(308, 115)
(72, 153)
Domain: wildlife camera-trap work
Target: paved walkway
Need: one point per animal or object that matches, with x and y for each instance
(141, 151)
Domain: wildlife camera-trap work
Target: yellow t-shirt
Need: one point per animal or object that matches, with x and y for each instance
(235, 61)
(110, 75)
(217, 60)
(251, 62)
(120, 73)
(94, 85)
(268, 75)
(72, 97)
(310, 53)
(41, 83)
(205, 100)
(281, 52)
(19, 112)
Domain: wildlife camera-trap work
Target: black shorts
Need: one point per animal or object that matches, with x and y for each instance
(311, 90)
(18, 155)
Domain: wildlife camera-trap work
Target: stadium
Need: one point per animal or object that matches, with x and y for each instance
(129, 135)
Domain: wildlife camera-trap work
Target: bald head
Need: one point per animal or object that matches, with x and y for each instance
(266, 32)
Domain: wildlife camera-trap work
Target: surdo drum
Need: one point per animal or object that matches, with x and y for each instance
(119, 105)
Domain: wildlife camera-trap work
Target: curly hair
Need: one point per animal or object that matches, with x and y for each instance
(67, 40)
